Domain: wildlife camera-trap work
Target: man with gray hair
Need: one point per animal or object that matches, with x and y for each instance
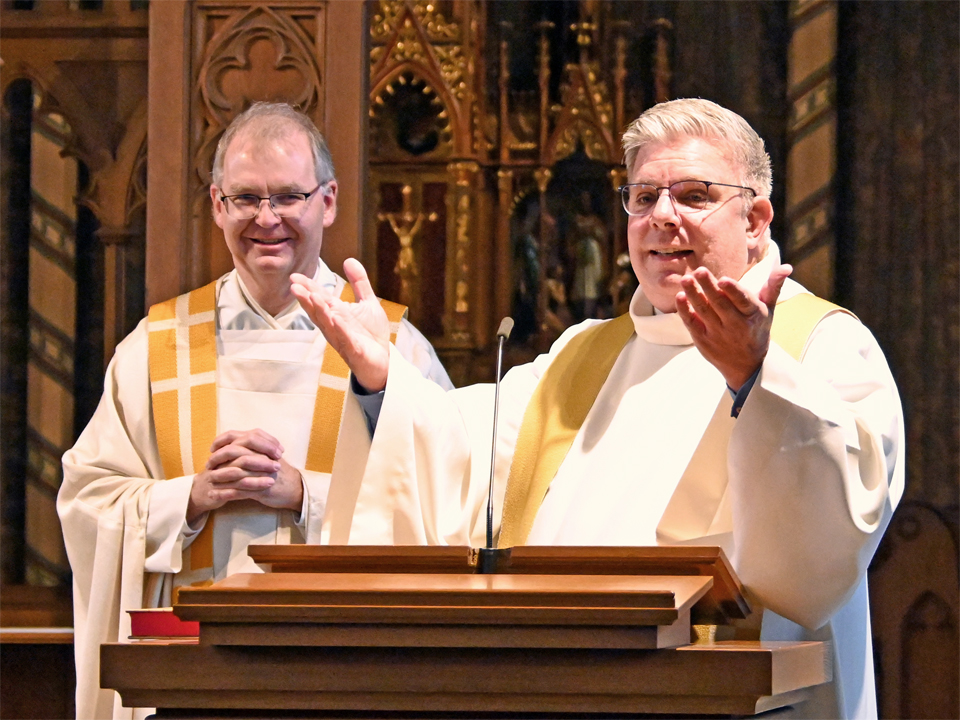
(225, 419)
(729, 407)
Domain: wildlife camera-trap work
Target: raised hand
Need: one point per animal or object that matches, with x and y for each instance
(358, 331)
(241, 466)
(729, 324)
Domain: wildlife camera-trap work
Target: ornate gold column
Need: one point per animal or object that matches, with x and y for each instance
(461, 268)
(618, 177)
(460, 260)
(812, 133)
(503, 281)
(542, 176)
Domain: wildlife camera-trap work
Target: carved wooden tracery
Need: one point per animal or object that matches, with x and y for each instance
(585, 115)
(244, 52)
(416, 38)
(259, 53)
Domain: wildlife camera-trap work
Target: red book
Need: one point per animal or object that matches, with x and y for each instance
(160, 623)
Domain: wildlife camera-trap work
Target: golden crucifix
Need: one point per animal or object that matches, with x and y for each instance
(405, 226)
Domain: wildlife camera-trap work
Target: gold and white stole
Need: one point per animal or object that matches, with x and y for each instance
(183, 384)
(556, 412)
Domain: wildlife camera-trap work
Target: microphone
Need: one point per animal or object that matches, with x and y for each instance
(490, 559)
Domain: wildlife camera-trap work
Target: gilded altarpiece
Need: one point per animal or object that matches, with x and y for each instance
(426, 155)
(487, 121)
(488, 198)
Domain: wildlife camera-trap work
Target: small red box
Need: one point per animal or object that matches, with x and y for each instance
(160, 623)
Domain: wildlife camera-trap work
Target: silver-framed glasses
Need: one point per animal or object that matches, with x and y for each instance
(687, 195)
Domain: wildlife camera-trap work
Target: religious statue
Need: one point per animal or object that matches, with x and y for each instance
(406, 225)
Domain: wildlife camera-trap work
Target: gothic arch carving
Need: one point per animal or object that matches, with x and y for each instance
(921, 604)
(928, 644)
(416, 38)
(137, 189)
(94, 139)
(47, 102)
(586, 116)
(406, 77)
(259, 55)
(110, 162)
(109, 194)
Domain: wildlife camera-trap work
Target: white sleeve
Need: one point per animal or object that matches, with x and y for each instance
(418, 351)
(168, 532)
(417, 354)
(418, 466)
(428, 472)
(316, 489)
(117, 455)
(816, 468)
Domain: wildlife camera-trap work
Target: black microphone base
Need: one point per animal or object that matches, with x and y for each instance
(493, 560)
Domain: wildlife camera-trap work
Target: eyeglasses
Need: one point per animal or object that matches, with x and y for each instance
(286, 204)
(687, 195)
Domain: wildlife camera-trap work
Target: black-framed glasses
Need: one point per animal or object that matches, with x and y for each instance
(687, 195)
(286, 204)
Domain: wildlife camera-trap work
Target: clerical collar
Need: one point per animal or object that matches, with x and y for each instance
(238, 310)
(667, 328)
(657, 327)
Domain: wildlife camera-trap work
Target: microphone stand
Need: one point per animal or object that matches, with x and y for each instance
(491, 559)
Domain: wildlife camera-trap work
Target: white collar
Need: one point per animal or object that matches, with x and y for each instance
(238, 310)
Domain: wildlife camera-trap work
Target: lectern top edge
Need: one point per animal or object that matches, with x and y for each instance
(724, 602)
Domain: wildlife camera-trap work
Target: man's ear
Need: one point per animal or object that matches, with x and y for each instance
(758, 220)
(217, 205)
(330, 203)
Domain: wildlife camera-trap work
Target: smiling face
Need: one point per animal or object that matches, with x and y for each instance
(667, 243)
(267, 249)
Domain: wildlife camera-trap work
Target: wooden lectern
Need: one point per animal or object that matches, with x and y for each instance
(362, 632)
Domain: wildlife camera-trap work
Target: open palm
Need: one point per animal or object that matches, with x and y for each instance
(358, 331)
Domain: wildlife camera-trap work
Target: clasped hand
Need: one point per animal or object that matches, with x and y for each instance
(245, 465)
(729, 324)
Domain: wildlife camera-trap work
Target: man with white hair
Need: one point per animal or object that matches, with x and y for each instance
(224, 420)
(729, 407)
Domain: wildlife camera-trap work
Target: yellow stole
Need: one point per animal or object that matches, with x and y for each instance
(183, 385)
(556, 411)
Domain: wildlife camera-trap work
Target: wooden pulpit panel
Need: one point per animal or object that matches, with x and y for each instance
(403, 590)
(523, 644)
(721, 679)
(444, 610)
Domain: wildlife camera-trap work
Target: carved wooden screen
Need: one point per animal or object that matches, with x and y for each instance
(212, 60)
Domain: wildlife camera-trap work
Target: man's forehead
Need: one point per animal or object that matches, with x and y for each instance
(287, 136)
(708, 152)
(280, 160)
